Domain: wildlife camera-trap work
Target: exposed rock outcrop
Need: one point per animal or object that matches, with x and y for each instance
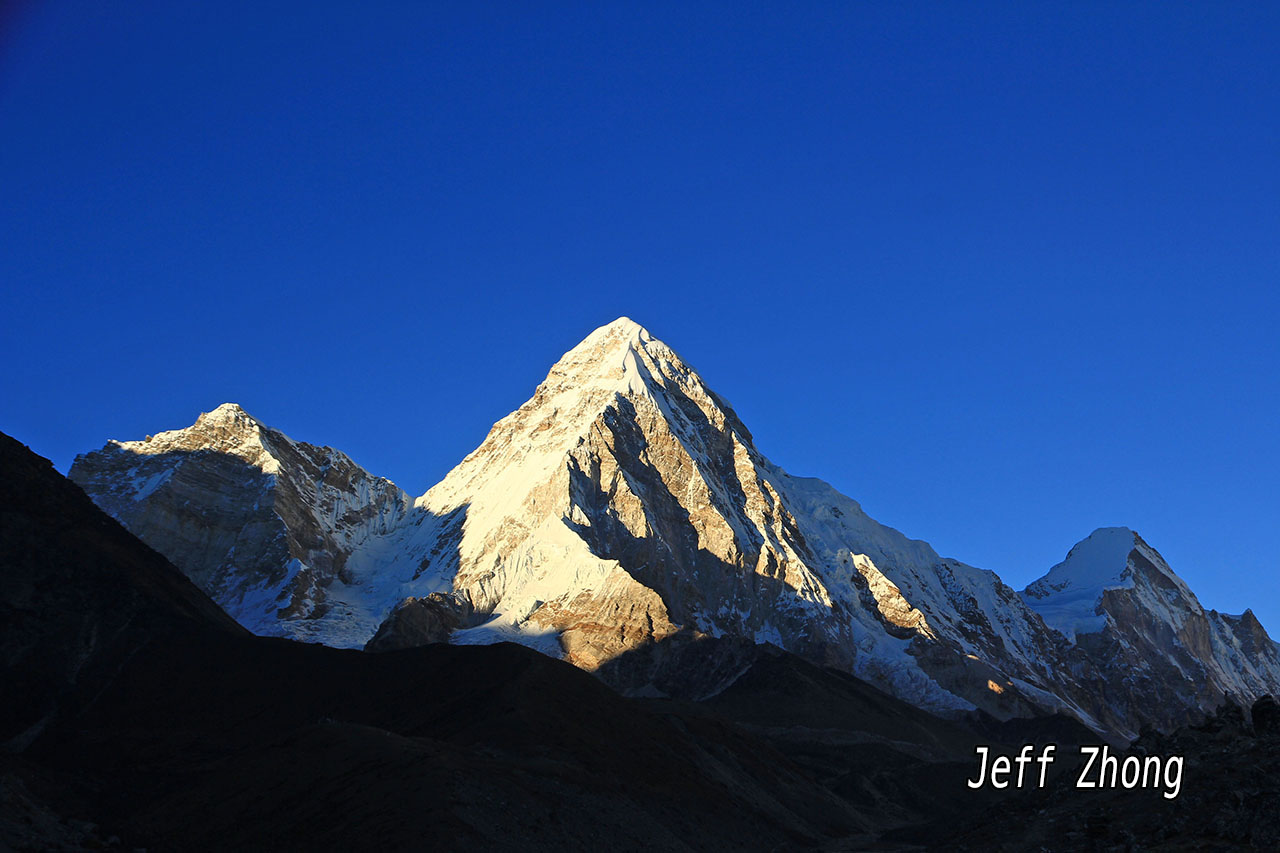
(420, 621)
(263, 524)
(1160, 657)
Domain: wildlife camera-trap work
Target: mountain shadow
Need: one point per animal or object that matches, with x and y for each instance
(906, 765)
(79, 596)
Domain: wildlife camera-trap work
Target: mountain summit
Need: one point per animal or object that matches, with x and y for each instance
(263, 524)
(623, 508)
(1123, 607)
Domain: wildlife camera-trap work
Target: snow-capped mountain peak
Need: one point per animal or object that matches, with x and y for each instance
(620, 357)
(1117, 601)
(227, 429)
(623, 331)
(264, 524)
(1067, 597)
(227, 411)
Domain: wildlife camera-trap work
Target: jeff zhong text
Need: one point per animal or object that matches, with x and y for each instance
(1101, 769)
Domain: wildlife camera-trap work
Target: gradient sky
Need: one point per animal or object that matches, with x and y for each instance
(1003, 273)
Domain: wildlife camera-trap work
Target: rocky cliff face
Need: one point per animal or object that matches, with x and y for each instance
(1161, 656)
(263, 524)
(625, 505)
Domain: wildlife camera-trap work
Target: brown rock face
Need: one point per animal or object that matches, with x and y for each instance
(596, 627)
(420, 622)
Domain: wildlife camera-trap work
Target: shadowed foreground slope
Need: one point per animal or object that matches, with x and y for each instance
(1229, 800)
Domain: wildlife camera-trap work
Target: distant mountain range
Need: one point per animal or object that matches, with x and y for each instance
(622, 513)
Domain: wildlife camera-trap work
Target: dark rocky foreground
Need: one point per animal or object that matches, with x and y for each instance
(1230, 799)
(136, 714)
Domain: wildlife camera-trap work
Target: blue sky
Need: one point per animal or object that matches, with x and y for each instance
(1004, 273)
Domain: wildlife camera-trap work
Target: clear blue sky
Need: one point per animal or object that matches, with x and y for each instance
(1003, 273)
